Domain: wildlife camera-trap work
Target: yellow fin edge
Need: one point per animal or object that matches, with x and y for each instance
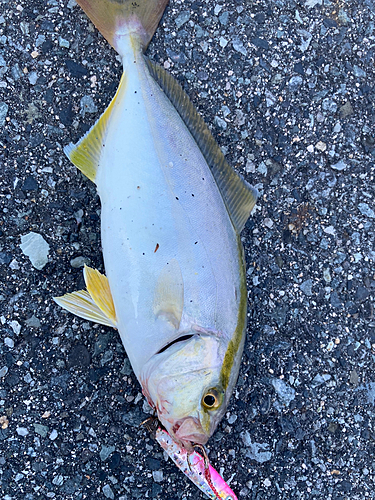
(94, 304)
(85, 155)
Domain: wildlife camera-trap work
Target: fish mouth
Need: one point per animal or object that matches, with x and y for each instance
(189, 430)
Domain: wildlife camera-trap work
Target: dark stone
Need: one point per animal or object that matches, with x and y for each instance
(345, 486)
(329, 23)
(30, 184)
(46, 46)
(114, 460)
(361, 294)
(336, 301)
(75, 68)
(298, 68)
(256, 101)
(5, 258)
(66, 115)
(260, 42)
(48, 96)
(47, 26)
(260, 18)
(12, 379)
(79, 357)
(178, 58)
(153, 464)
(36, 140)
(156, 489)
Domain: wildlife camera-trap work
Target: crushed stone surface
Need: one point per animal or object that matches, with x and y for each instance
(288, 90)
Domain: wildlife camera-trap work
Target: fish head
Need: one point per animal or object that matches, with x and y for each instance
(184, 385)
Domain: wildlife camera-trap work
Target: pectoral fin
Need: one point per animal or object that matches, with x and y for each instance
(95, 304)
(169, 294)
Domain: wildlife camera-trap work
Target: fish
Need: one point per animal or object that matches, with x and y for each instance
(172, 210)
(193, 465)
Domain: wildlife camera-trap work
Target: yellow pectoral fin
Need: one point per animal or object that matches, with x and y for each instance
(95, 304)
(169, 294)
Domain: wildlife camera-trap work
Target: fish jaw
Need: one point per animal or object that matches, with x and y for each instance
(188, 431)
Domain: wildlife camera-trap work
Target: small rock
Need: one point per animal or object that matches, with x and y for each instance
(320, 379)
(40, 429)
(341, 165)
(327, 275)
(321, 146)
(294, 83)
(80, 261)
(33, 77)
(3, 112)
(22, 431)
(366, 210)
(238, 46)
(182, 18)
(107, 492)
(306, 287)
(53, 435)
(79, 357)
(3, 371)
(361, 294)
(157, 476)
(30, 184)
(87, 105)
(268, 222)
(336, 301)
(354, 377)
(64, 43)
(258, 451)
(285, 393)
(346, 110)
(329, 105)
(9, 342)
(223, 42)
(33, 322)
(359, 72)
(36, 248)
(105, 452)
(220, 123)
(15, 326)
(224, 18)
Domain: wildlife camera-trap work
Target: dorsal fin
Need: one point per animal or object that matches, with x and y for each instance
(239, 197)
(85, 155)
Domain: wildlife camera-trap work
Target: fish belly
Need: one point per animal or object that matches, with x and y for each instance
(161, 205)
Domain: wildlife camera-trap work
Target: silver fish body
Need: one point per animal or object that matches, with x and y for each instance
(171, 216)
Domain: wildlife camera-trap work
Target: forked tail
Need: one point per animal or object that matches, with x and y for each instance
(117, 19)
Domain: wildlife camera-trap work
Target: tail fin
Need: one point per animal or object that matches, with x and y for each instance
(118, 18)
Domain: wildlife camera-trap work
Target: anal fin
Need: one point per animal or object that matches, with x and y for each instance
(94, 304)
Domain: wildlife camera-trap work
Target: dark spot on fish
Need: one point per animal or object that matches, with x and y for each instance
(176, 198)
(143, 253)
(138, 187)
(192, 194)
(135, 92)
(157, 247)
(203, 179)
(195, 243)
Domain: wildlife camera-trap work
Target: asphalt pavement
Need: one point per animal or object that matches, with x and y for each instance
(288, 90)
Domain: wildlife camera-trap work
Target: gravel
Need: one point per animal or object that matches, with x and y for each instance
(287, 89)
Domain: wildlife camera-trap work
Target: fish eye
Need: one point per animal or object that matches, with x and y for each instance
(212, 399)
